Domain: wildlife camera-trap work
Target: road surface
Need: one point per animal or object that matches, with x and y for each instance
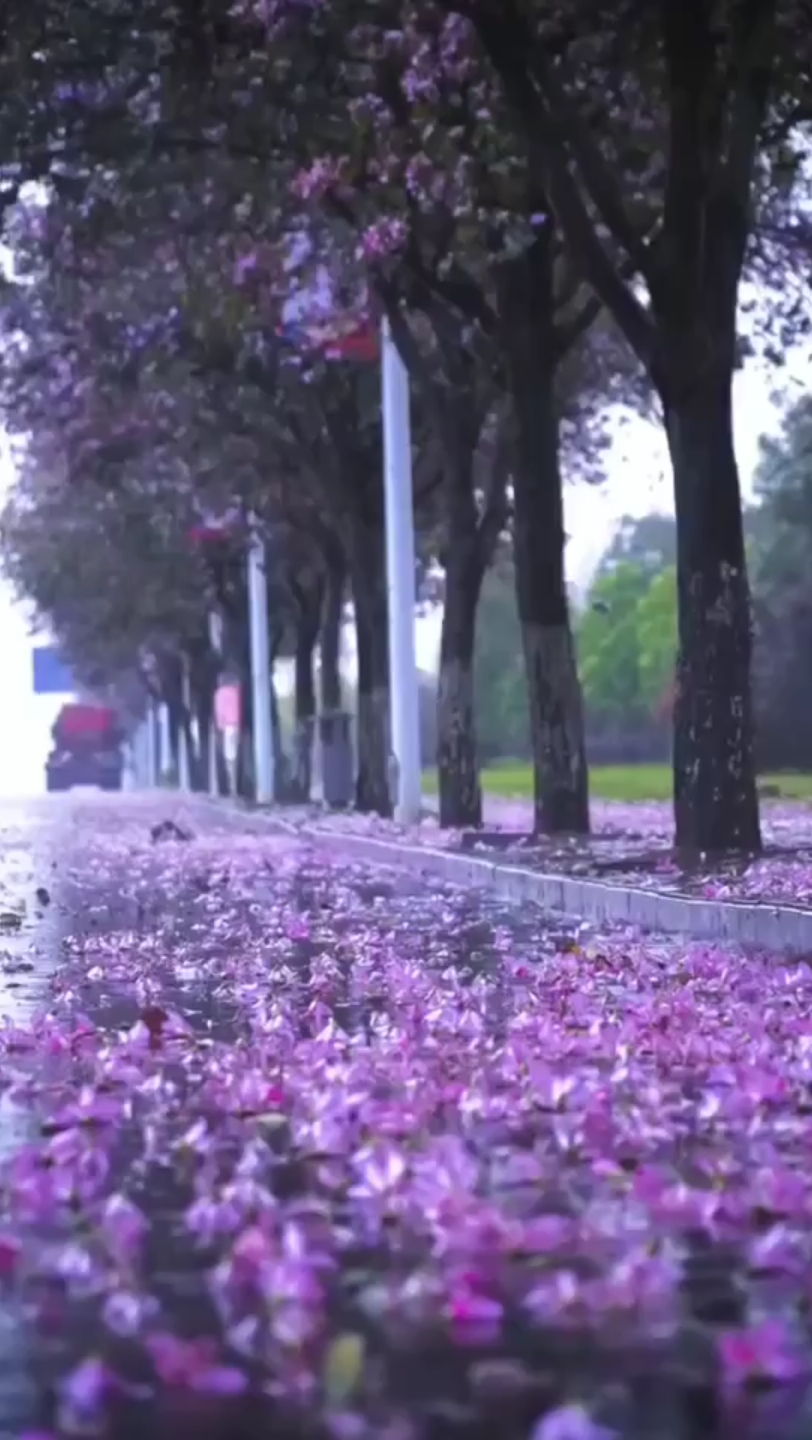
(294, 1148)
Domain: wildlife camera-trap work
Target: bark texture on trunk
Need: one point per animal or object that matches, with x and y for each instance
(223, 770)
(460, 793)
(560, 774)
(305, 705)
(715, 795)
(330, 642)
(719, 65)
(174, 713)
(372, 791)
(245, 780)
(204, 720)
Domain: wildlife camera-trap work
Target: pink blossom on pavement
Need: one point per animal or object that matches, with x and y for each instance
(427, 1117)
(570, 1422)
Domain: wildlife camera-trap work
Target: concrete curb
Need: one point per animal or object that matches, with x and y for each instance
(784, 928)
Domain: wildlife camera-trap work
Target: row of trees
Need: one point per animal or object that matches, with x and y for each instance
(626, 627)
(553, 213)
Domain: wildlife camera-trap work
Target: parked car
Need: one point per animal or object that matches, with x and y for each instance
(87, 748)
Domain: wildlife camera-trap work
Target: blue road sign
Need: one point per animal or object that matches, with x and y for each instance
(51, 674)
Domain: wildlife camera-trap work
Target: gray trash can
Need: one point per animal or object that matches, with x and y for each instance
(337, 777)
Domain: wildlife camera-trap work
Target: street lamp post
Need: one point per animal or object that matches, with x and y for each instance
(164, 739)
(400, 564)
(260, 668)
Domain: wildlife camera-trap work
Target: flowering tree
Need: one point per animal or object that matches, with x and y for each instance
(178, 371)
(711, 80)
(398, 129)
(448, 223)
(115, 582)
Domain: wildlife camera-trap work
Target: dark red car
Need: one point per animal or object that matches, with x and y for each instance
(87, 748)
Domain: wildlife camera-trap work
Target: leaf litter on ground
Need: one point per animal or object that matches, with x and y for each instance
(311, 1152)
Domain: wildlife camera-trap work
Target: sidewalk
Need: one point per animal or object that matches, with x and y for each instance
(304, 1148)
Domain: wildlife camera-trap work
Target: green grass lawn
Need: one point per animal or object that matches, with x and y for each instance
(616, 782)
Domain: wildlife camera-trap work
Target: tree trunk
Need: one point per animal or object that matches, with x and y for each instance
(715, 795)
(560, 775)
(305, 705)
(330, 645)
(174, 715)
(223, 770)
(372, 792)
(245, 779)
(460, 794)
(205, 722)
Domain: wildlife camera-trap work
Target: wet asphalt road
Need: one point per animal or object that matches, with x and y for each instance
(33, 921)
(68, 883)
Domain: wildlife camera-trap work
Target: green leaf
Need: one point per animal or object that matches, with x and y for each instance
(343, 1368)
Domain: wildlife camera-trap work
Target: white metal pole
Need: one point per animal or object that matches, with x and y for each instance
(164, 746)
(184, 779)
(260, 670)
(400, 566)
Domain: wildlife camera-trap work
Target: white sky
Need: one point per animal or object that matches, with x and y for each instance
(637, 481)
(25, 718)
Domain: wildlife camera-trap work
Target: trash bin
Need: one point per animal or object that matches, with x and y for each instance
(337, 778)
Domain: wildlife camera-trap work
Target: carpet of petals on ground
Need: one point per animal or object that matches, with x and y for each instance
(631, 844)
(314, 1152)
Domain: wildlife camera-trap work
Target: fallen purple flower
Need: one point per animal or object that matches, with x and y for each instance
(420, 1121)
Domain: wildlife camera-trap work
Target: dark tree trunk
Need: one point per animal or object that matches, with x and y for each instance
(715, 795)
(281, 762)
(330, 645)
(460, 794)
(718, 73)
(205, 722)
(368, 579)
(245, 779)
(560, 775)
(202, 705)
(305, 703)
(191, 749)
(175, 718)
(223, 772)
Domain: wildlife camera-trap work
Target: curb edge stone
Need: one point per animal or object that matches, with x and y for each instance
(782, 928)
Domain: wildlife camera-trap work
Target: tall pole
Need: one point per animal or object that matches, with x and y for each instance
(260, 669)
(400, 567)
(164, 742)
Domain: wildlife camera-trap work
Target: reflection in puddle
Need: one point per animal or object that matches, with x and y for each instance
(29, 847)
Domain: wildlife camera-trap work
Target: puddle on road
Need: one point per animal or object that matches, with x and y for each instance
(31, 930)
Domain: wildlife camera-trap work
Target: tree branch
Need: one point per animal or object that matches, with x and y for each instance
(507, 41)
(598, 180)
(694, 137)
(753, 51)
